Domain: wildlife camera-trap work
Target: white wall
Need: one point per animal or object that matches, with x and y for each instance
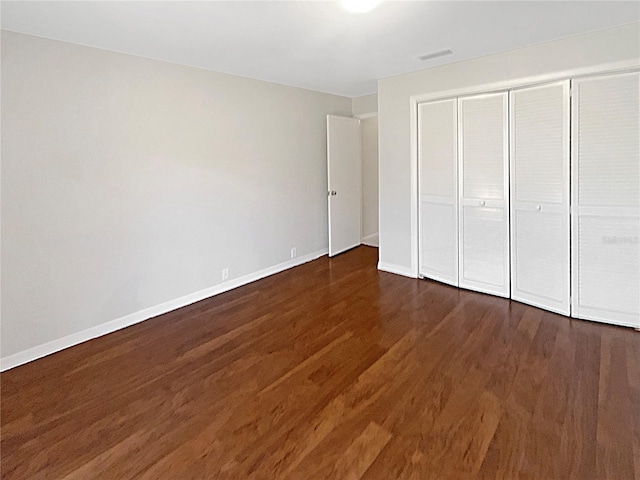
(128, 183)
(366, 108)
(365, 104)
(618, 44)
(369, 127)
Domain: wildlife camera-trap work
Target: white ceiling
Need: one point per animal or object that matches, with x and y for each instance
(312, 44)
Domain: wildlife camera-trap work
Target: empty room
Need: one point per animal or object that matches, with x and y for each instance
(348, 239)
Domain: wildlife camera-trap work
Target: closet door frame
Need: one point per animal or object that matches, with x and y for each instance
(422, 198)
(564, 209)
(586, 313)
(488, 203)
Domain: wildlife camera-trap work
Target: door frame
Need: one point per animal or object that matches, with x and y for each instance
(365, 116)
(329, 187)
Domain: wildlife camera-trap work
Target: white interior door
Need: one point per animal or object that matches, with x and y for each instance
(483, 154)
(438, 160)
(540, 196)
(344, 168)
(605, 193)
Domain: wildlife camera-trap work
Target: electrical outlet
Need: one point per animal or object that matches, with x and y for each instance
(293, 252)
(225, 273)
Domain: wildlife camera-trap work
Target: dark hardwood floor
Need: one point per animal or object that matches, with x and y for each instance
(333, 370)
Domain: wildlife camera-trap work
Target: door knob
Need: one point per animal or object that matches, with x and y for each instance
(332, 193)
(539, 207)
(482, 203)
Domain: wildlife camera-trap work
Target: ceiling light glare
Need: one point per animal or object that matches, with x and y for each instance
(360, 6)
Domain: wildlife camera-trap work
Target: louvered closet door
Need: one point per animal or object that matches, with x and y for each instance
(605, 192)
(539, 158)
(484, 194)
(437, 150)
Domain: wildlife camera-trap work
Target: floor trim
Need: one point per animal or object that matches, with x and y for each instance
(371, 240)
(53, 346)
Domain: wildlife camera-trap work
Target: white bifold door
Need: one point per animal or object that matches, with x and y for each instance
(539, 129)
(438, 189)
(483, 155)
(605, 192)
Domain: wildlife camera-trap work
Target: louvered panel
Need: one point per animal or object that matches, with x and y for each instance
(438, 248)
(482, 130)
(540, 186)
(483, 246)
(609, 261)
(484, 212)
(608, 140)
(541, 257)
(438, 138)
(539, 144)
(438, 163)
(606, 199)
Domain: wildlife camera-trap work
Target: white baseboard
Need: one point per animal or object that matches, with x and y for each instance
(53, 346)
(371, 240)
(397, 269)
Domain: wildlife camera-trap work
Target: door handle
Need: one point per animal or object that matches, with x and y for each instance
(482, 203)
(332, 193)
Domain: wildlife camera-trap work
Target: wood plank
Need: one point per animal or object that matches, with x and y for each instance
(361, 453)
(614, 450)
(333, 369)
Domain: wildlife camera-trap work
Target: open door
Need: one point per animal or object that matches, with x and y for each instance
(344, 169)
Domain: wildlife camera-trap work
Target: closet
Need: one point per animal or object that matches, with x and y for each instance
(533, 193)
